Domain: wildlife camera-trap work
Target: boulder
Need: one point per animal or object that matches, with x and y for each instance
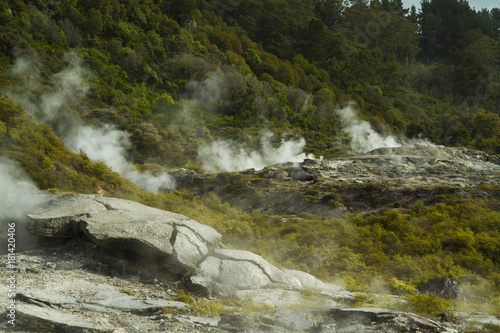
(61, 216)
(326, 289)
(244, 270)
(149, 234)
(442, 287)
(248, 276)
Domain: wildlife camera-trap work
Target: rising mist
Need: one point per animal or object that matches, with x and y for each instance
(103, 143)
(363, 137)
(17, 199)
(228, 155)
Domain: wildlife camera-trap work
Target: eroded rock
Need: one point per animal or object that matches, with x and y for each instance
(62, 216)
(244, 270)
(123, 302)
(46, 297)
(381, 179)
(119, 225)
(45, 319)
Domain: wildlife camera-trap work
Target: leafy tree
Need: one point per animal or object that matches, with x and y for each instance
(94, 24)
(495, 23)
(313, 40)
(484, 51)
(329, 11)
(485, 124)
(445, 22)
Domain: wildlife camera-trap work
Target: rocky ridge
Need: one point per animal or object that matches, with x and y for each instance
(382, 179)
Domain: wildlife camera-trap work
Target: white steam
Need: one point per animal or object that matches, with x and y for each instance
(227, 155)
(363, 137)
(212, 88)
(16, 201)
(67, 87)
(109, 145)
(26, 72)
(106, 143)
(71, 88)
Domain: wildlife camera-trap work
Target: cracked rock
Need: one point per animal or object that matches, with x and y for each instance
(149, 234)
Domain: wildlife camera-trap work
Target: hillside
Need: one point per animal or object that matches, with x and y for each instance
(357, 141)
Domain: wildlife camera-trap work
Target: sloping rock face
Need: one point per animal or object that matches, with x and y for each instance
(172, 242)
(63, 288)
(149, 234)
(382, 179)
(244, 274)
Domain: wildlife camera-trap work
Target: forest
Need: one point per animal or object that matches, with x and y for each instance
(174, 74)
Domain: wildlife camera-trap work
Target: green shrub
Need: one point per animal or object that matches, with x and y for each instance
(311, 293)
(399, 287)
(491, 328)
(185, 298)
(430, 305)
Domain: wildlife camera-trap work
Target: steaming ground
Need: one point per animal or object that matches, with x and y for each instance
(109, 144)
(228, 155)
(364, 138)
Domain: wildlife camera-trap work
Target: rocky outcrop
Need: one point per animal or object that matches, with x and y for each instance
(60, 292)
(41, 319)
(175, 243)
(151, 234)
(244, 274)
(333, 320)
(382, 179)
(244, 270)
(443, 287)
(81, 281)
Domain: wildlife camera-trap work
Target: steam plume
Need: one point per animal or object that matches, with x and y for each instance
(109, 145)
(105, 143)
(227, 155)
(16, 201)
(71, 88)
(363, 136)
